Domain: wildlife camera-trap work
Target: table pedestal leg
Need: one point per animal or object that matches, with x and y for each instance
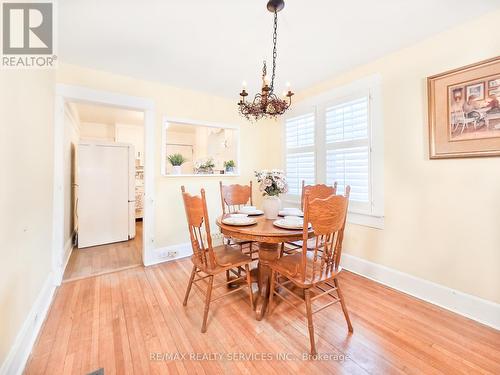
(268, 252)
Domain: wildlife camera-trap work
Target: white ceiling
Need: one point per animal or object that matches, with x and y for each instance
(101, 114)
(214, 45)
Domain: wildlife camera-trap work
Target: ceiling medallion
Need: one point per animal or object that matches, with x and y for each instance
(267, 103)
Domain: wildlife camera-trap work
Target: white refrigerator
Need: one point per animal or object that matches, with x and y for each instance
(106, 193)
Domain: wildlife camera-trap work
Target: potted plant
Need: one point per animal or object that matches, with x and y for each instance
(271, 184)
(229, 166)
(176, 160)
(205, 166)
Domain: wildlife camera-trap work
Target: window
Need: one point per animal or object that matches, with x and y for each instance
(299, 142)
(348, 149)
(338, 136)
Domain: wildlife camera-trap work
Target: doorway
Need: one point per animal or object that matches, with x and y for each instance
(104, 174)
(91, 125)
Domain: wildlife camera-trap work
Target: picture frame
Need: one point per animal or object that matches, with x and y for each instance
(494, 83)
(477, 90)
(495, 91)
(464, 111)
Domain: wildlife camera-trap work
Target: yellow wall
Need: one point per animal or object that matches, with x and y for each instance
(26, 143)
(442, 217)
(258, 142)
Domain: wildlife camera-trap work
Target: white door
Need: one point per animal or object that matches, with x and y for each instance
(103, 179)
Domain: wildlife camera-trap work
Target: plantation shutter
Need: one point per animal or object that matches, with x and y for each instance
(300, 153)
(347, 136)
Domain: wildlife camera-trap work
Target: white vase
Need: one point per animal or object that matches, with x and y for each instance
(271, 206)
(176, 169)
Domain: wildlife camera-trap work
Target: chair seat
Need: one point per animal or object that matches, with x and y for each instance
(227, 257)
(290, 265)
(249, 250)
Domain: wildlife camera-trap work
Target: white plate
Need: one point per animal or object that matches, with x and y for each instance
(238, 216)
(288, 224)
(294, 213)
(239, 222)
(248, 208)
(252, 213)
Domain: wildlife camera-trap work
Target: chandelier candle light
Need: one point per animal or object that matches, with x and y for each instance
(267, 103)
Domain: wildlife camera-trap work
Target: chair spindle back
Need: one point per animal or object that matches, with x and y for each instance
(199, 229)
(317, 191)
(233, 197)
(327, 217)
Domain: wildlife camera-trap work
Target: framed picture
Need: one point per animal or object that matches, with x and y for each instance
(494, 83)
(464, 111)
(458, 94)
(476, 91)
(495, 92)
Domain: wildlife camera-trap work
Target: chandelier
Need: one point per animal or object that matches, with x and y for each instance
(267, 103)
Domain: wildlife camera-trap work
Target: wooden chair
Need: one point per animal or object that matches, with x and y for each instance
(233, 198)
(320, 191)
(314, 274)
(209, 261)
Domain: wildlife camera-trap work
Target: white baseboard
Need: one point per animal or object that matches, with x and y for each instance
(160, 255)
(183, 250)
(478, 309)
(68, 249)
(19, 353)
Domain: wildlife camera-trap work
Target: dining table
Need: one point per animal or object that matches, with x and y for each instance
(269, 238)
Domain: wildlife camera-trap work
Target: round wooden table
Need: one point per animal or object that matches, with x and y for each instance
(269, 238)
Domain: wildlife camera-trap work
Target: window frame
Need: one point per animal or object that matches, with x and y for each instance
(373, 215)
(166, 120)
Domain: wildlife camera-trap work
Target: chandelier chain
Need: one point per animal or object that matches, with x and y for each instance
(275, 53)
(266, 104)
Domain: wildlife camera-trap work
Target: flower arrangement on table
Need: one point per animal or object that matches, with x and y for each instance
(272, 183)
(204, 166)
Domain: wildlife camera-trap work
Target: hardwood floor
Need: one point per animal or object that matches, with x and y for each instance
(118, 321)
(102, 259)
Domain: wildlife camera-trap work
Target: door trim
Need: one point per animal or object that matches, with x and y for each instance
(69, 93)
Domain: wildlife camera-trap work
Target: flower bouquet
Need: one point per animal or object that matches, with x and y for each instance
(272, 184)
